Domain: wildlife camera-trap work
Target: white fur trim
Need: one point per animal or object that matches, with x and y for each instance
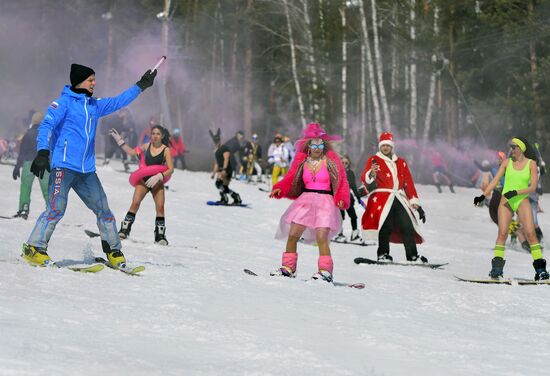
(386, 142)
(415, 201)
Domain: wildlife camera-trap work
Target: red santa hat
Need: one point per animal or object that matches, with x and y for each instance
(386, 138)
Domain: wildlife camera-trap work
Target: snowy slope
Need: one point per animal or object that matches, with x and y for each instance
(194, 312)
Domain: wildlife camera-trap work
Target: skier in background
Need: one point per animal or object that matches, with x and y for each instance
(346, 162)
(439, 166)
(70, 119)
(317, 182)
(27, 151)
(389, 214)
(278, 156)
(521, 178)
(177, 148)
(224, 166)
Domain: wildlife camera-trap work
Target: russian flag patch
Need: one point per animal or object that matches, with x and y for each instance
(54, 104)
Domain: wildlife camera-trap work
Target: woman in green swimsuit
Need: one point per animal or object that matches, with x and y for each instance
(520, 172)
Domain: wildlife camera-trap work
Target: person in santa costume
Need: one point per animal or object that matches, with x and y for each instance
(389, 216)
(318, 185)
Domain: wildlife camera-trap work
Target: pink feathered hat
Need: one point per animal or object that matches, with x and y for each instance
(314, 130)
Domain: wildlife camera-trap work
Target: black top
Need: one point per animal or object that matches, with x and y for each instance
(218, 154)
(27, 148)
(157, 159)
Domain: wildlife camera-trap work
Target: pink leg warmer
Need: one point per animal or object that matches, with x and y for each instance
(325, 263)
(290, 259)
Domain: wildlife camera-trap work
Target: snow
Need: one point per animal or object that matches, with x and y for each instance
(194, 312)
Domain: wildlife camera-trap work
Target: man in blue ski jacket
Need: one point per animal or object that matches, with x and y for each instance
(66, 148)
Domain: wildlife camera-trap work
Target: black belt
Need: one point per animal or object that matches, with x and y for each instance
(318, 191)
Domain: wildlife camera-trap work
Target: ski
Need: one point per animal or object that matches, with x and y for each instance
(218, 203)
(362, 260)
(338, 284)
(353, 243)
(93, 234)
(264, 190)
(80, 269)
(127, 270)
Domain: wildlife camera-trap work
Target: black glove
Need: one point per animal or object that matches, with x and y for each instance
(16, 173)
(147, 79)
(510, 194)
(41, 162)
(421, 214)
(478, 200)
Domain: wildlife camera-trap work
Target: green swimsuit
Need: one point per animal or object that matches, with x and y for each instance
(516, 180)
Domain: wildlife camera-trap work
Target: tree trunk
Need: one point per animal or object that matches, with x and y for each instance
(539, 121)
(452, 103)
(413, 93)
(433, 79)
(363, 100)
(379, 74)
(312, 69)
(166, 119)
(293, 63)
(370, 65)
(247, 103)
(344, 77)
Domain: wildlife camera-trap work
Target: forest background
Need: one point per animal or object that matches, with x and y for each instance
(460, 76)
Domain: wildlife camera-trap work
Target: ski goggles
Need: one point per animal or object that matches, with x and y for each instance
(315, 146)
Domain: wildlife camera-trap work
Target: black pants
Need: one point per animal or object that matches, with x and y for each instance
(351, 213)
(397, 217)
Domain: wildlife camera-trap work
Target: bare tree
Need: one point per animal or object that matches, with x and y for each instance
(379, 74)
(344, 75)
(412, 65)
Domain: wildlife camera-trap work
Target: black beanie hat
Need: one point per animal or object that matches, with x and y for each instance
(79, 73)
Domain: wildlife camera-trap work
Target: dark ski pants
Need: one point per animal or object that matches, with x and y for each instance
(397, 217)
(351, 213)
(88, 188)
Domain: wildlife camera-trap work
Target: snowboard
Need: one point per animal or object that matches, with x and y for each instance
(218, 203)
(337, 284)
(503, 281)
(362, 260)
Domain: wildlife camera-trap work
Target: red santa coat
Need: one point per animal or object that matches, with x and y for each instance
(394, 181)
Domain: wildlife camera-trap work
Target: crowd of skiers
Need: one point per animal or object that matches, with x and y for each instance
(59, 149)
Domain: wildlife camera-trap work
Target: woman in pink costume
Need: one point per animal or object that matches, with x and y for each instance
(317, 182)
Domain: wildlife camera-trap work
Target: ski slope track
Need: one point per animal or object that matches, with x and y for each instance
(194, 312)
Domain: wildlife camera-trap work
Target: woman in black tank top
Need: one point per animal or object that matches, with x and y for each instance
(156, 152)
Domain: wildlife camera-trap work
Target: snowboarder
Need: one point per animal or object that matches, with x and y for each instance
(66, 145)
(439, 166)
(27, 150)
(150, 178)
(224, 166)
(389, 214)
(317, 182)
(520, 172)
(278, 156)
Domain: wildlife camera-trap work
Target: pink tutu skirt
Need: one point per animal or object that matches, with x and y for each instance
(313, 210)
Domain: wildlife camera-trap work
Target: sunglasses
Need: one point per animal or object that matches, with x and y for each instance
(512, 146)
(314, 146)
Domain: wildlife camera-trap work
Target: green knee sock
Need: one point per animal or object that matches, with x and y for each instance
(499, 251)
(536, 251)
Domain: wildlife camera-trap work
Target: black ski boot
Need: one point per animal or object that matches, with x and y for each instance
(538, 231)
(23, 213)
(160, 231)
(497, 264)
(540, 270)
(418, 259)
(385, 257)
(236, 198)
(126, 225)
(438, 186)
(451, 188)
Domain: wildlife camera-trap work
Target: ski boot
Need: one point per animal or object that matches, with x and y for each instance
(126, 225)
(322, 275)
(385, 257)
(236, 198)
(36, 256)
(418, 259)
(160, 231)
(540, 270)
(497, 264)
(23, 213)
(355, 235)
(452, 189)
(538, 232)
(340, 238)
(223, 199)
(116, 259)
(283, 271)
(438, 186)
(525, 245)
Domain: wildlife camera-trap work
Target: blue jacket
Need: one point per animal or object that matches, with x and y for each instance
(69, 128)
